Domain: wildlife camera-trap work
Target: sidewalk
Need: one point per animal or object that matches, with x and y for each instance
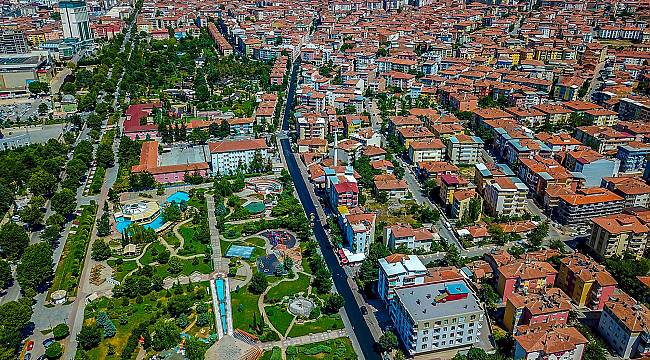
(307, 339)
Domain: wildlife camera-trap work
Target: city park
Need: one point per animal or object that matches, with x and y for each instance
(154, 267)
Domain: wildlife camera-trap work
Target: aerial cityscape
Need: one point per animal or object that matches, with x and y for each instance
(324, 180)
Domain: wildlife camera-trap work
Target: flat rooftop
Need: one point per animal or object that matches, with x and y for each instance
(182, 155)
(428, 301)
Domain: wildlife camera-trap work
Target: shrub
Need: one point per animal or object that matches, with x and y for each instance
(61, 331)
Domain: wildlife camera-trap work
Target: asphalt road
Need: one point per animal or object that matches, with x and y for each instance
(359, 325)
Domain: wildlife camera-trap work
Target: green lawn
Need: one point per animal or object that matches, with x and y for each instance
(280, 317)
(171, 239)
(257, 241)
(191, 247)
(232, 231)
(288, 288)
(123, 269)
(337, 349)
(273, 354)
(244, 307)
(148, 258)
(188, 268)
(322, 324)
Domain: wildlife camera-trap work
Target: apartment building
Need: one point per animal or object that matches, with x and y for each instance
(586, 282)
(358, 231)
(534, 309)
(592, 165)
(617, 234)
(231, 156)
(602, 138)
(426, 150)
(635, 191)
(464, 149)
(506, 196)
(523, 276)
(587, 203)
(566, 343)
(397, 271)
(405, 235)
(624, 326)
(633, 156)
(437, 317)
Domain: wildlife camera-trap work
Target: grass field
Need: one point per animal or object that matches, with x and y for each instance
(244, 308)
(288, 288)
(337, 349)
(123, 269)
(280, 317)
(322, 324)
(191, 246)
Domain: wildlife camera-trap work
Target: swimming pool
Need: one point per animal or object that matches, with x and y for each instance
(178, 197)
(221, 297)
(122, 223)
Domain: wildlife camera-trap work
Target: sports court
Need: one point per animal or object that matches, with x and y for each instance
(244, 252)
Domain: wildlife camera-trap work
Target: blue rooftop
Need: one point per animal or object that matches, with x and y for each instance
(456, 288)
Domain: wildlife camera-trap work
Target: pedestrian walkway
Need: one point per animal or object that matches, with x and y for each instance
(303, 340)
(220, 264)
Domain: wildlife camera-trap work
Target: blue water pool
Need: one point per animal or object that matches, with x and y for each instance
(178, 197)
(221, 296)
(121, 223)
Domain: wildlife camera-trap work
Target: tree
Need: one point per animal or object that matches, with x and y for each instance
(41, 183)
(182, 321)
(54, 351)
(258, 284)
(195, 349)
(107, 324)
(64, 202)
(61, 331)
(387, 341)
(13, 240)
(475, 209)
(37, 87)
(100, 250)
(382, 197)
(333, 303)
(537, 235)
(165, 335)
(452, 256)
(104, 156)
(103, 225)
(488, 296)
(594, 350)
(5, 274)
(175, 265)
(89, 336)
(6, 198)
(35, 267)
(171, 213)
(202, 319)
(32, 215)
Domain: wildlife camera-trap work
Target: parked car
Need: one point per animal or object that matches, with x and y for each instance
(364, 310)
(47, 342)
(30, 345)
(28, 356)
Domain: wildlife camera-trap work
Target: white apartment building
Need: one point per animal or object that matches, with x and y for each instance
(230, 156)
(464, 149)
(624, 326)
(404, 234)
(426, 150)
(437, 317)
(358, 231)
(397, 271)
(506, 196)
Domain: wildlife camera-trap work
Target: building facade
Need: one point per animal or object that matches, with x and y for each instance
(74, 17)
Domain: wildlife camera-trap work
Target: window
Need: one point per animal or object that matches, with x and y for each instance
(424, 346)
(426, 325)
(470, 331)
(446, 322)
(443, 343)
(471, 324)
(444, 336)
(437, 323)
(436, 331)
(453, 321)
(425, 339)
(436, 337)
(469, 339)
(424, 332)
